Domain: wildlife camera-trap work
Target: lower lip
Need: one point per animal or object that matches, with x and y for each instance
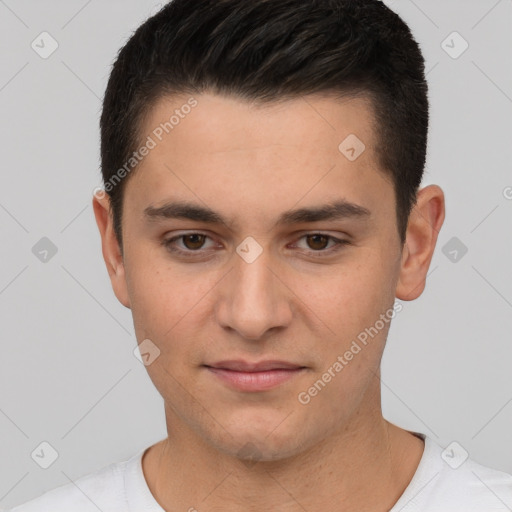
(255, 381)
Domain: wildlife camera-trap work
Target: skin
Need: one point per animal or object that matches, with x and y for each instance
(294, 303)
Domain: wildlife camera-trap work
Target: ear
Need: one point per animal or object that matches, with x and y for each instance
(425, 221)
(110, 246)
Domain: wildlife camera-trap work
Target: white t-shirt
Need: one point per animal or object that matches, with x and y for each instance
(441, 483)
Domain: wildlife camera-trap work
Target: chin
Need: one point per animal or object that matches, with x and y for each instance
(251, 450)
(252, 445)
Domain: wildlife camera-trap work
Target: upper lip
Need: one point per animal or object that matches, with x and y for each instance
(245, 366)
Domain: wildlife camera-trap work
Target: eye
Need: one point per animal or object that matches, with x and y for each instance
(191, 242)
(319, 243)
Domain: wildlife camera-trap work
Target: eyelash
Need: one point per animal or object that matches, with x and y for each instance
(167, 243)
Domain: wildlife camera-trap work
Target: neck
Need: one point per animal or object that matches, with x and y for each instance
(366, 465)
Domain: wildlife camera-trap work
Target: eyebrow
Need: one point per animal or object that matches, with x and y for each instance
(185, 210)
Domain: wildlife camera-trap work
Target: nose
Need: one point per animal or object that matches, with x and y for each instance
(253, 298)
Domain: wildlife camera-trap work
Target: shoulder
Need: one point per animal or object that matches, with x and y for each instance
(103, 489)
(448, 480)
(477, 486)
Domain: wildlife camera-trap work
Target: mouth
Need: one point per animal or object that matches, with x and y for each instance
(261, 376)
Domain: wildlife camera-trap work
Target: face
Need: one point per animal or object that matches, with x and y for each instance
(253, 267)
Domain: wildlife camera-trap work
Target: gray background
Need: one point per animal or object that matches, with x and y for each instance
(68, 375)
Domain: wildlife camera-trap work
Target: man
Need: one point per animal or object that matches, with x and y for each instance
(262, 163)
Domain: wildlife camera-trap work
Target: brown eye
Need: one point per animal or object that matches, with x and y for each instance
(194, 241)
(189, 245)
(321, 245)
(317, 241)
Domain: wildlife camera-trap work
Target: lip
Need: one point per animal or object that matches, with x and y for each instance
(240, 365)
(261, 376)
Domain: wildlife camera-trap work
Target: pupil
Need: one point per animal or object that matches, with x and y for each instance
(323, 237)
(197, 241)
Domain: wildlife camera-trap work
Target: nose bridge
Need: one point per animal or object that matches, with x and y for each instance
(254, 301)
(253, 280)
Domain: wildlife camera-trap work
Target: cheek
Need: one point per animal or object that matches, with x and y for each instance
(153, 292)
(350, 309)
(351, 299)
(167, 302)
(151, 300)
(166, 309)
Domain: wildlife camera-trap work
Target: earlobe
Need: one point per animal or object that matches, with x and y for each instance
(110, 247)
(425, 222)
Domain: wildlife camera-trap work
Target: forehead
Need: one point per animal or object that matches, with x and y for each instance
(225, 121)
(272, 154)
